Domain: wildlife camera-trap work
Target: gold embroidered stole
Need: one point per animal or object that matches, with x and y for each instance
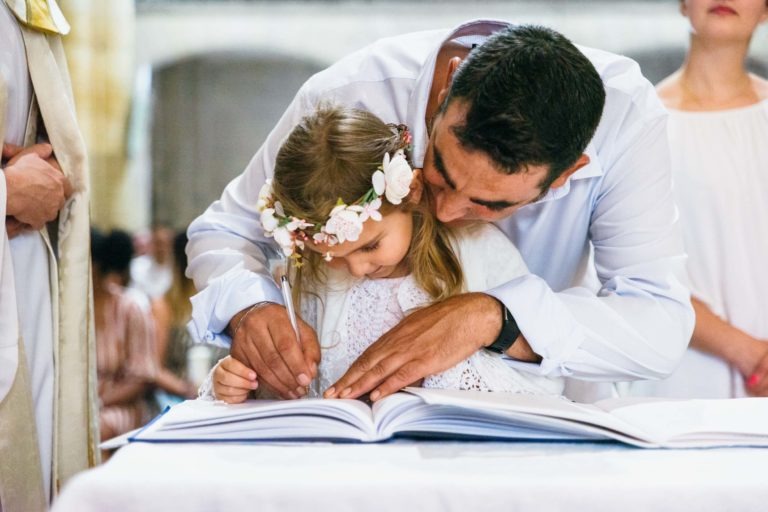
(42, 15)
(75, 403)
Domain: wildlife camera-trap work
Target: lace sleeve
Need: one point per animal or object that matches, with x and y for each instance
(488, 372)
(205, 392)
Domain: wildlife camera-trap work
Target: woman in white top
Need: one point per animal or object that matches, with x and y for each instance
(345, 193)
(718, 132)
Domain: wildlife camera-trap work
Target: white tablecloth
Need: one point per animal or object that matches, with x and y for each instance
(461, 476)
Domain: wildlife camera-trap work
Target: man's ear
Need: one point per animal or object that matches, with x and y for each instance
(417, 187)
(563, 178)
(445, 86)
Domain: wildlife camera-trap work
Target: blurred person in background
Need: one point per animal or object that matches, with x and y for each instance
(47, 421)
(173, 342)
(125, 348)
(152, 272)
(718, 132)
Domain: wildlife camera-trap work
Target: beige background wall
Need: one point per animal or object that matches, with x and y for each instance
(209, 80)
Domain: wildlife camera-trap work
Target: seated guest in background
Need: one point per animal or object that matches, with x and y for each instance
(718, 132)
(171, 313)
(125, 350)
(152, 272)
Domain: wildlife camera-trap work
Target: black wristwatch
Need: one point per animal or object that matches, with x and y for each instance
(509, 332)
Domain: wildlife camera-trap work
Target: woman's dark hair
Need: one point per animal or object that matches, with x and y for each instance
(533, 99)
(112, 253)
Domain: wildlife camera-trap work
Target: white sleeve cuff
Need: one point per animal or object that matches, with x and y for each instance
(547, 324)
(223, 298)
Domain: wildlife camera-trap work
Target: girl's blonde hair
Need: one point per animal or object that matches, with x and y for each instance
(331, 155)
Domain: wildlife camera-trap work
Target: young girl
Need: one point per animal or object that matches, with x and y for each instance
(349, 212)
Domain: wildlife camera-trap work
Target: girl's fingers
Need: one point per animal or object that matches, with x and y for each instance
(233, 366)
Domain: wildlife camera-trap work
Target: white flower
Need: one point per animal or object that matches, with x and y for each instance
(345, 224)
(279, 209)
(284, 239)
(371, 210)
(265, 195)
(398, 176)
(268, 220)
(379, 183)
(298, 224)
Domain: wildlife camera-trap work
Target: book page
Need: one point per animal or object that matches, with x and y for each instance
(517, 416)
(263, 420)
(680, 422)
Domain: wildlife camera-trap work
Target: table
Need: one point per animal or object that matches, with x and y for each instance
(423, 476)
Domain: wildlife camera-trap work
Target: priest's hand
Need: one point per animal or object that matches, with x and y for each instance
(263, 339)
(36, 187)
(14, 228)
(426, 342)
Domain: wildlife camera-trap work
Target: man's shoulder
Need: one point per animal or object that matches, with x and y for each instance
(621, 75)
(400, 57)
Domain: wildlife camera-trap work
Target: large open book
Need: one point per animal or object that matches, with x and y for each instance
(660, 423)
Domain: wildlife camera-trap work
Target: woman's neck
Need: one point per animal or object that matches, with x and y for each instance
(713, 77)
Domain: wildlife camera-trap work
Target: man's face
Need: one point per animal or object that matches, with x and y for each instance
(466, 185)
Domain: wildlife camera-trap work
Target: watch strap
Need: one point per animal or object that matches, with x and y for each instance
(509, 332)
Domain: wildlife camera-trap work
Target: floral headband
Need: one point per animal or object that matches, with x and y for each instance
(345, 222)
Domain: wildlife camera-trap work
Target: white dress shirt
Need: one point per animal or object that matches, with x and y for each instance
(634, 323)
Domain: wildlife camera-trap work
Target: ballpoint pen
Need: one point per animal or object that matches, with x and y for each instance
(285, 287)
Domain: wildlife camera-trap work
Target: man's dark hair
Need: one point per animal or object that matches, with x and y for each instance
(533, 99)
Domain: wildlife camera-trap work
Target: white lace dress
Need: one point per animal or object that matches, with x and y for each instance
(350, 314)
(375, 306)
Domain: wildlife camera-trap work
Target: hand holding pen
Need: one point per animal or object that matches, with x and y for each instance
(265, 339)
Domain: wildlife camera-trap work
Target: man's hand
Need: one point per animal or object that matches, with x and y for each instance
(264, 340)
(37, 189)
(429, 341)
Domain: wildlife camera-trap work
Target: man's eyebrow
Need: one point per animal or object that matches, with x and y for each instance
(491, 205)
(494, 205)
(440, 166)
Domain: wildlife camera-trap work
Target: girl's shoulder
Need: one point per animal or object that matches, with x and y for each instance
(487, 256)
(480, 236)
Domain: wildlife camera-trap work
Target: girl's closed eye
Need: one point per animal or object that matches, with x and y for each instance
(371, 247)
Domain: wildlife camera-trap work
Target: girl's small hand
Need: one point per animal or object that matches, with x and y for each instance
(232, 381)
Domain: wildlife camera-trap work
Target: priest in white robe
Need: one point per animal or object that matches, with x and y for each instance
(48, 416)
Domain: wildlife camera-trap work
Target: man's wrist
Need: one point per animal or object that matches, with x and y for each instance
(507, 334)
(237, 321)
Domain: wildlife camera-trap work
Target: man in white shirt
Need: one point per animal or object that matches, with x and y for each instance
(517, 134)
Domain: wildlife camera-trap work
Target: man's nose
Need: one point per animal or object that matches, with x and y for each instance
(449, 207)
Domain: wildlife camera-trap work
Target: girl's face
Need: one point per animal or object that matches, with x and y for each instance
(381, 250)
(724, 19)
